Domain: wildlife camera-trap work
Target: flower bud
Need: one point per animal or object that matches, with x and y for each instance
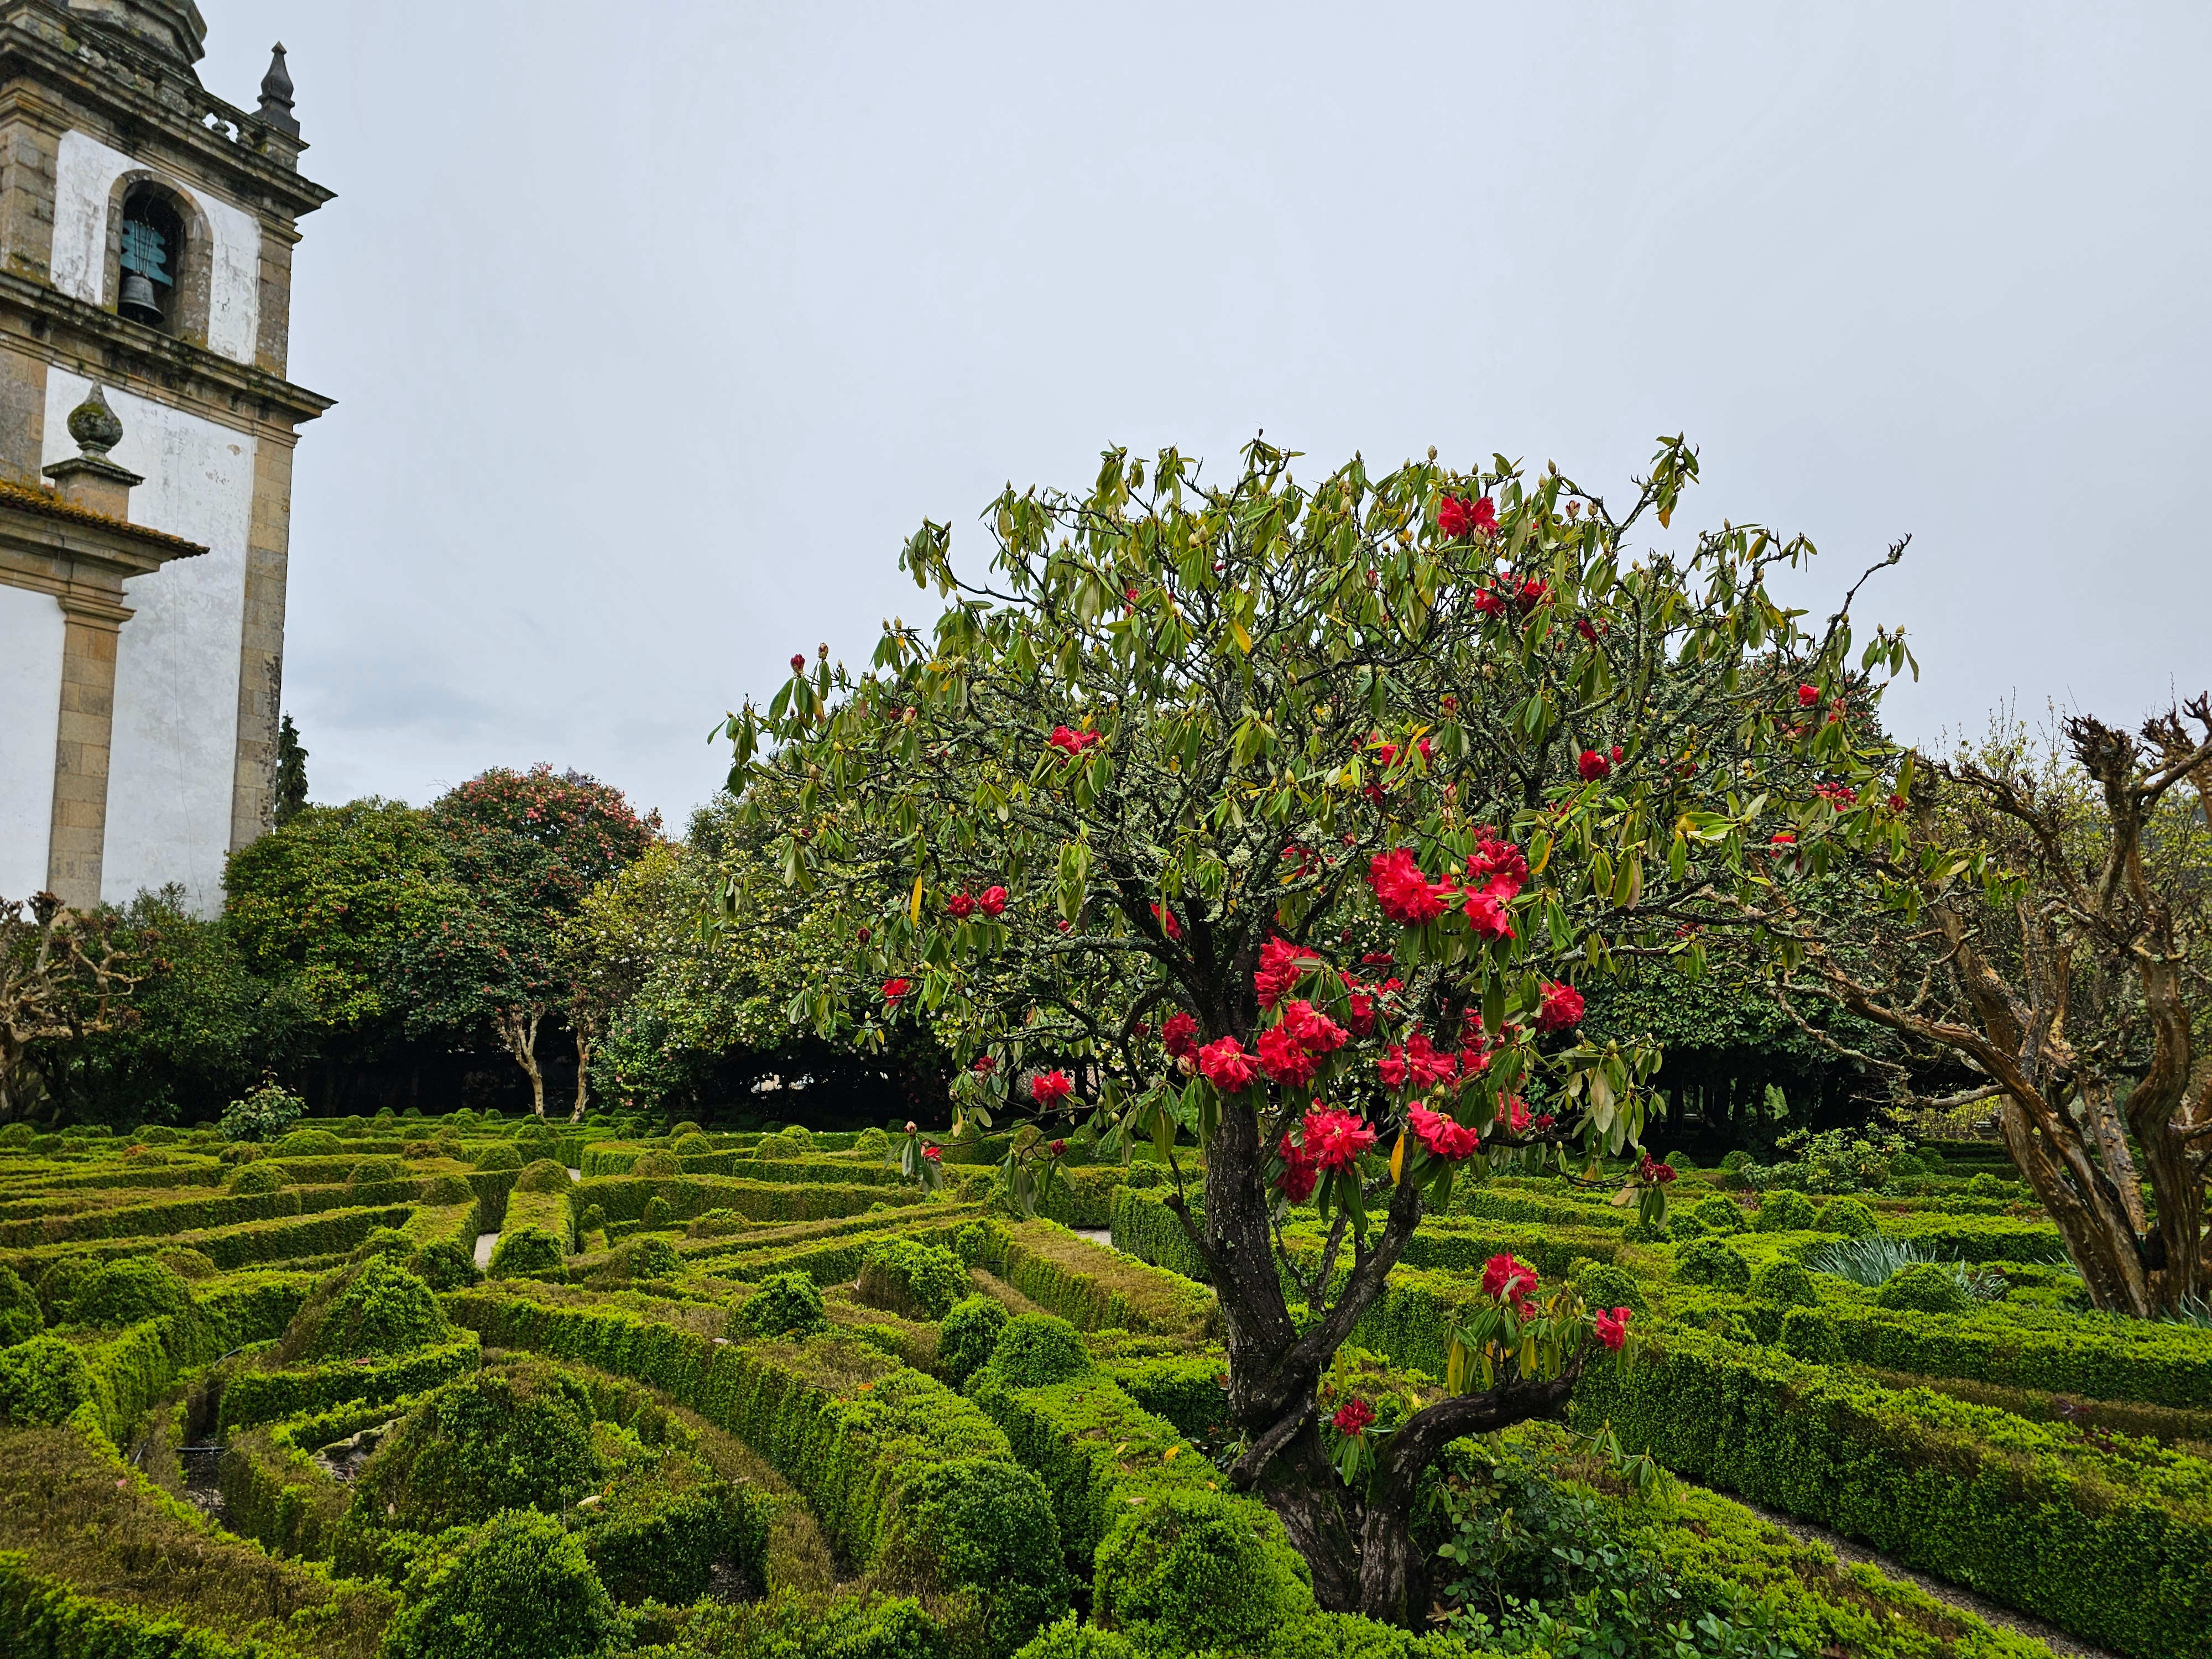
(909, 1125)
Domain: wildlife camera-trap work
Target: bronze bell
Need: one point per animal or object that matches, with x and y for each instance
(137, 302)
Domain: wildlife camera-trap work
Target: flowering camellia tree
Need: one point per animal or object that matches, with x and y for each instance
(1286, 818)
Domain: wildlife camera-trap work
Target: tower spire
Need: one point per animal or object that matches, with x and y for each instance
(277, 95)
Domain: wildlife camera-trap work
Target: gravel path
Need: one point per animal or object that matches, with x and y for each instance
(486, 1242)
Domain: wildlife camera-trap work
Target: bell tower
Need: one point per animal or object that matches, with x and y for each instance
(146, 236)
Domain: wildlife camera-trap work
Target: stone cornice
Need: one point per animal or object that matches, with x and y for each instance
(78, 65)
(40, 521)
(103, 345)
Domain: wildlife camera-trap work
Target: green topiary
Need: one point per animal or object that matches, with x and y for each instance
(1986, 1185)
(657, 1213)
(1907, 1164)
(778, 1146)
(656, 1166)
(784, 1304)
(1685, 1225)
(191, 1266)
(1783, 1211)
(445, 1265)
(20, 1318)
(967, 1336)
(386, 1241)
(1924, 1287)
(593, 1218)
(522, 1586)
(716, 1224)
(872, 1143)
(258, 1178)
(978, 1524)
(1069, 1639)
(1604, 1285)
(1849, 1216)
(1720, 1215)
(515, 1438)
(17, 1134)
(528, 1253)
(308, 1143)
(686, 1127)
(694, 1145)
(159, 1134)
(126, 1292)
(1735, 1160)
(982, 1243)
(1710, 1261)
(1787, 1282)
(543, 1176)
(650, 1258)
(382, 1309)
(1810, 1334)
(448, 1190)
(1192, 1572)
(799, 1136)
(370, 1170)
(42, 1380)
(58, 1285)
(500, 1155)
(1036, 1349)
(909, 1277)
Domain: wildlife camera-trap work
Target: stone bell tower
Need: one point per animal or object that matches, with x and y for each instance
(146, 237)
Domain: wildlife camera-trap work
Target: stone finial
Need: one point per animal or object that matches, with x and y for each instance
(275, 109)
(89, 479)
(94, 425)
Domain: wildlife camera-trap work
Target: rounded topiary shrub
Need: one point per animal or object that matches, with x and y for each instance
(778, 1145)
(1710, 1261)
(981, 1243)
(909, 1277)
(1783, 1211)
(650, 1258)
(799, 1136)
(1604, 1285)
(384, 1241)
(1685, 1225)
(42, 1380)
(593, 1218)
(17, 1134)
(57, 1284)
(515, 1438)
(1790, 1283)
(656, 1166)
(20, 1316)
(126, 1292)
(371, 1170)
(1193, 1571)
(1810, 1334)
(785, 1305)
(500, 1155)
(1907, 1164)
(445, 1265)
(658, 1213)
(695, 1145)
(543, 1176)
(187, 1264)
(1037, 1349)
(528, 1253)
(967, 1336)
(686, 1127)
(308, 1143)
(1734, 1160)
(1720, 1215)
(975, 1524)
(522, 1586)
(872, 1143)
(1070, 1638)
(382, 1309)
(1924, 1287)
(258, 1178)
(448, 1190)
(159, 1134)
(716, 1223)
(1986, 1185)
(1849, 1216)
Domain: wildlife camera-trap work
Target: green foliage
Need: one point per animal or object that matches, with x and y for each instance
(20, 1316)
(1191, 1571)
(1604, 1285)
(694, 1145)
(1808, 1334)
(543, 1175)
(1849, 1216)
(872, 1142)
(658, 1212)
(921, 1281)
(503, 1155)
(42, 1380)
(1785, 1282)
(1036, 1349)
(444, 1265)
(655, 1164)
(528, 1253)
(716, 1223)
(308, 1143)
(264, 1114)
(1844, 1160)
(984, 1530)
(1783, 1211)
(982, 1243)
(520, 1587)
(17, 1136)
(383, 1310)
(1925, 1287)
(519, 1438)
(126, 1292)
(651, 1258)
(1987, 1185)
(785, 1305)
(1710, 1261)
(967, 1337)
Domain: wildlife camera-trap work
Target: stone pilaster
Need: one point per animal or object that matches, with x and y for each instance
(22, 415)
(77, 842)
(261, 644)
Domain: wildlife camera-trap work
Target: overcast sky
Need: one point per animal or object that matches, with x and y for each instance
(655, 329)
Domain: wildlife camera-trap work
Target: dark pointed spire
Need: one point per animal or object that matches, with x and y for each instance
(277, 95)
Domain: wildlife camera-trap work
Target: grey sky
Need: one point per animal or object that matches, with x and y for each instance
(657, 328)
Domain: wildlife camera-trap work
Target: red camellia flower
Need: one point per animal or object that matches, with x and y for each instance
(1406, 896)
(1354, 1416)
(1281, 964)
(932, 1153)
(1440, 1137)
(1453, 518)
(986, 1064)
(1226, 1065)
(1064, 924)
(1376, 959)
(1487, 917)
(1562, 1009)
(1359, 1004)
(1300, 1176)
(1545, 1120)
(1332, 1139)
(1533, 593)
(960, 906)
(1504, 1276)
(992, 900)
(1500, 869)
(1807, 695)
(1897, 803)
(1313, 1031)
(1285, 1062)
(799, 662)
(1489, 601)
(1180, 1034)
(1593, 766)
(1616, 754)
(1072, 742)
(1416, 1064)
(1486, 516)
(1611, 1327)
(1049, 1088)
(895, 988)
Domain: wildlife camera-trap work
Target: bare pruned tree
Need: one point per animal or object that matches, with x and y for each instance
(61, 978)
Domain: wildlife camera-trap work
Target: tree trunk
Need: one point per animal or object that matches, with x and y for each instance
(584, 1048)
(519, 1024)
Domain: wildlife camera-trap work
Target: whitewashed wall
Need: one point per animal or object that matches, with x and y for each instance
(85, 172)
(176, 670)
(30, 720)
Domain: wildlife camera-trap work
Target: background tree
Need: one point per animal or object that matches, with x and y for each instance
(2043, 918)
(291, 772)
(62, 978)
(1344, 782)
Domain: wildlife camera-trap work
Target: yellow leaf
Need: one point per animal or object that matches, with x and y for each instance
(913, 905)
(1398, 1159)
(1243, 638)
(1118, 1450)
(1170, 1457)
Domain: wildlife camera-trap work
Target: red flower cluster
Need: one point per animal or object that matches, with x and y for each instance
(1416, 1063)
(1406, 896)
(1226, 1065)
(1285, 1062)
(1455, 517)
(1313, 1031)
(1516, 1115)
(1390, 751)
(1611, 1327)
(1072, 742)
(1334, 1139)
(1655, 1173)
(1498, 868)
(895, 988)
(960, 906)
(1841, 796)
(1360, 1001)
(1487, 914)
(1355, 1415)
(1300, 1176)
(1784, 838)
(1513, 1281)
(1059, 1149)
(1593, 766)
(1807, 695)
(1281, 964)
(1180, 1034)
(1440, 1137)
(934, 1154)
(1532, 593)
(1587, 629)
(1166, 918)
(986, 1064)
(1050, 1088)
(993, 901)
(1562, 1008)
